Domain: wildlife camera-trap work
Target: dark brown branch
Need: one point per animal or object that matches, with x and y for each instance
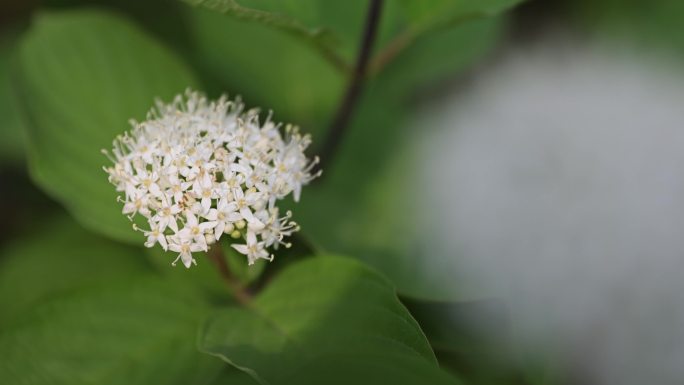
(348, 104)
(241, 295)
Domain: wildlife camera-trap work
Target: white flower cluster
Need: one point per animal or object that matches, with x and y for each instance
(198, 169)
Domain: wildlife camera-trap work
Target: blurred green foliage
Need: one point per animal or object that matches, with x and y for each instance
(133, 332)
(60, 258)
(269, 69)
(89, 305)
(80, 308)
(11, 130)
(372, 173)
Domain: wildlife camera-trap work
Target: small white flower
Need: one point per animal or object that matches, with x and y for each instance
(211, 169)
(244, 202)
(154, 236)
(253, 249)
(225, 214)
(185, 250)
(194, 231)
(166, 215)
(277, 228)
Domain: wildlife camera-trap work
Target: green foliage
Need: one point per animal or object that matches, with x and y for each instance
(11, 131)
(60, 258)
(203, 276)
(137, 332)
(307, 20)
(334, 28)
(80, 309)
(317, 312)
(370, 367)
(267, 68)
(426, 62)
(375, 167)
(163, 19)
(427, 14)
(233, 376)
(206, 277)
(302, 88)
(82, 76)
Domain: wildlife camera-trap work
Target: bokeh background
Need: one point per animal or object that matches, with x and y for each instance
(520, 179)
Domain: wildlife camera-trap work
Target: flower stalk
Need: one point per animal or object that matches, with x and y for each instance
(239, 291)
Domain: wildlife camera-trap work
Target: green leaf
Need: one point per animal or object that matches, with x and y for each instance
(140, 332)
(82, 76)
(330, 28)
(269, 69)
(59, 258)
(427, 14)
(324, 312)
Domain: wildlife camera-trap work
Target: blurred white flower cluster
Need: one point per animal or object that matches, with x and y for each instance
(198, 169)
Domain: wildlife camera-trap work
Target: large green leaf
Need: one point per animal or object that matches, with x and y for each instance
(58, 258)
(325, 318)
(140, 332)
(82, 76)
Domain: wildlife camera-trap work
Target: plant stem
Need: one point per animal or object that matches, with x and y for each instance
(351, 97)
(241, 295)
